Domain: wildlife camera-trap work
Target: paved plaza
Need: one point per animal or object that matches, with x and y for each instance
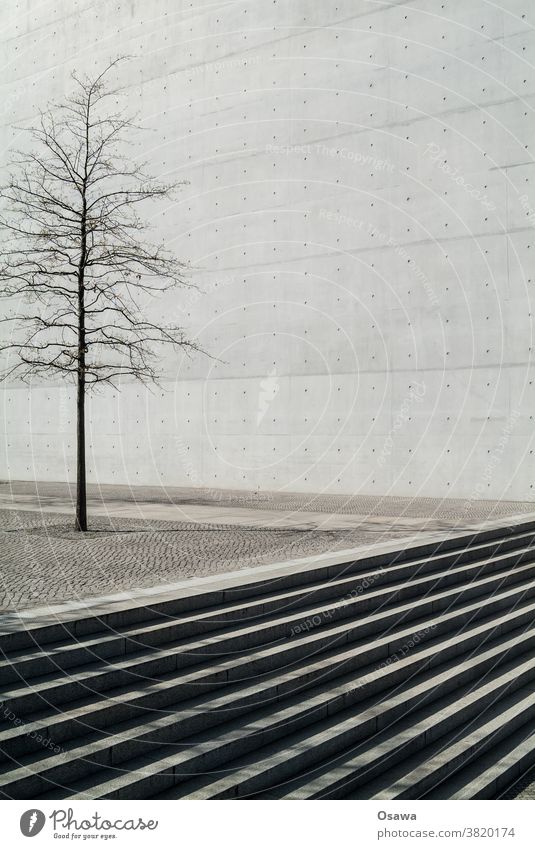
(151, 536)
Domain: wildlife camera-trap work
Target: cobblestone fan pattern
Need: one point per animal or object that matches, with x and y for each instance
(367, 505)
(43, 560)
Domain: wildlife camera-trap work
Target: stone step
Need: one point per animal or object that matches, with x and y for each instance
(278, 764)
(275, 638)
(123, 704)
(467, 747)
(302, 575)
(492, 773)
(297, 749)
(23, 665)
(490, 709)
(134, 739)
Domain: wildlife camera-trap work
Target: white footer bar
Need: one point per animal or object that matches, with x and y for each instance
(265, 824)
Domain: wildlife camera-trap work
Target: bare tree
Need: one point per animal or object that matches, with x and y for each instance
(75, 257)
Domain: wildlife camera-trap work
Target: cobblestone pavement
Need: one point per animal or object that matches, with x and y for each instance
(42, 559)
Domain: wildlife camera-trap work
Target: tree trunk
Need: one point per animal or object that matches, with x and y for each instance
(81, 499)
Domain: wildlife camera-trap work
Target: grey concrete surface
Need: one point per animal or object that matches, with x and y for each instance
(359, 214)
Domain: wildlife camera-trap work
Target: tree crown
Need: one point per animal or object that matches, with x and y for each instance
(75, 259)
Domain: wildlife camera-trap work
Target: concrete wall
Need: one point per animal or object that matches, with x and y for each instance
(360, 208)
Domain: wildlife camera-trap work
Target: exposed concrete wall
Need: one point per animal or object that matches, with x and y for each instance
(361, 210)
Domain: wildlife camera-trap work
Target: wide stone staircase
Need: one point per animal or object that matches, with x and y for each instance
(407, 674)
